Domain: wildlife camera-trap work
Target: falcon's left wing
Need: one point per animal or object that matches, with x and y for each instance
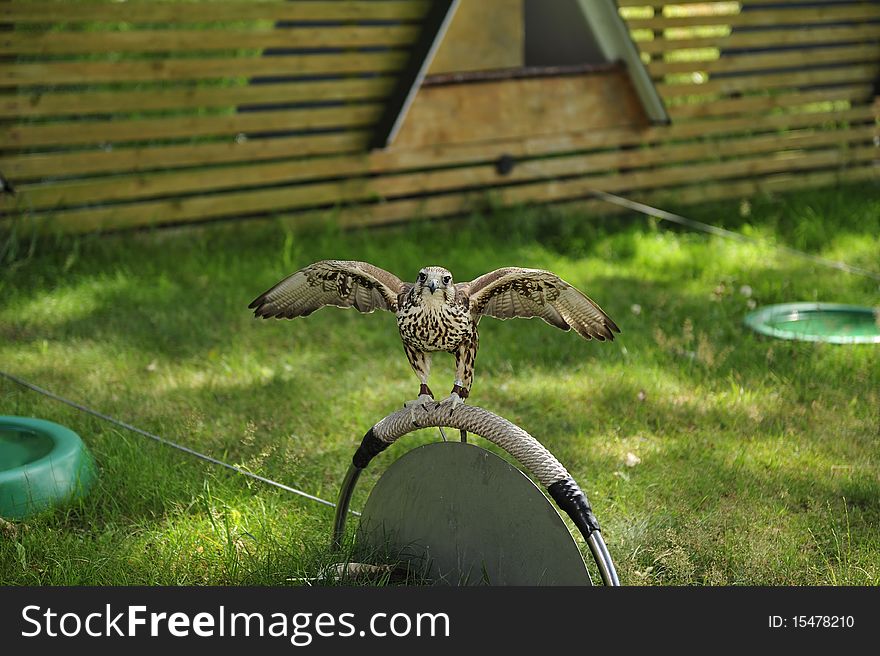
(514, 292)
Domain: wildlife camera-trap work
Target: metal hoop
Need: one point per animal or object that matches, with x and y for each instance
(534, 456)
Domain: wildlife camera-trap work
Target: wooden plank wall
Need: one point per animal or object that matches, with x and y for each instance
(116, 115)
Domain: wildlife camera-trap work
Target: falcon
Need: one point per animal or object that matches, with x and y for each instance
(434, 313)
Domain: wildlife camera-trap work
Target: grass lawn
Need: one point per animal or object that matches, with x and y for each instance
(758, 459)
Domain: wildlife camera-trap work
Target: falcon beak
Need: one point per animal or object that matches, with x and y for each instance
(432, 286)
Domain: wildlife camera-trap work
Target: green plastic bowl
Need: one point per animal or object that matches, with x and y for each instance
(42, 464)
(818, 322)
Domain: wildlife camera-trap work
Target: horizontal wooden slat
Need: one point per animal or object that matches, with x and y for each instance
(151, 11)
(143, 186)
(710, 5)
(657, 4)
(461, 203)
(772, 122)
(432, 182)
(724, 5)
(747, 104)
(780, 183)
(727, 189)
(662, 155)
(723, 190)
(118, 188)
(792, 140)
(677, 175)
(843, 75)
(448, 179)
(81, 43)
(102, 132)
(216, 205)
(397, 211)
(394, 211)
(111, 102)
(90, 72)
(28, 167)
(766, 38)
(359, 189)
(799, 58)
(447, 154)
(762, 17)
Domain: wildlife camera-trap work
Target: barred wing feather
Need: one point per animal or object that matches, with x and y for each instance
(515, 292)
(340, 283)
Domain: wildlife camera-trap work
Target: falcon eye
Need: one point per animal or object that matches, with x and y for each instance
(422, 275)
(447, 279)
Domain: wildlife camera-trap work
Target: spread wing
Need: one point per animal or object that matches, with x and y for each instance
(514, 292)
(330, 282)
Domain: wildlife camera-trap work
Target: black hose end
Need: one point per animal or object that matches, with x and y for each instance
(370, 447)
(570, 498)
(504, 164)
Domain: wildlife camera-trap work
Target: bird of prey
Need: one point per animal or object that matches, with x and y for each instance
(434, 313)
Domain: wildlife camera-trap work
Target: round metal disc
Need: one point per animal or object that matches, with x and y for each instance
(818, 322)
(460, 515)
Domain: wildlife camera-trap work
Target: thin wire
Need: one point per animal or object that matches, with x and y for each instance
(162, 440)
(710, 229)
(729, 234)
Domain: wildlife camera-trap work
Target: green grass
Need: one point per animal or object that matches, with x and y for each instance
(759, 460)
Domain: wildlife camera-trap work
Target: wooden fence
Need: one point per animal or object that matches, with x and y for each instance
(123, 114)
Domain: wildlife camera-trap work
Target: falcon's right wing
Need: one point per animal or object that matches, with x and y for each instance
(330, 282)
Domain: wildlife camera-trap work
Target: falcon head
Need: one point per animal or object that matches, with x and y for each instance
(435, 283)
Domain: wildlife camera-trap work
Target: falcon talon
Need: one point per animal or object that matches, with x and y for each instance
(421, 402)
(452, 401)
(434, 313)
